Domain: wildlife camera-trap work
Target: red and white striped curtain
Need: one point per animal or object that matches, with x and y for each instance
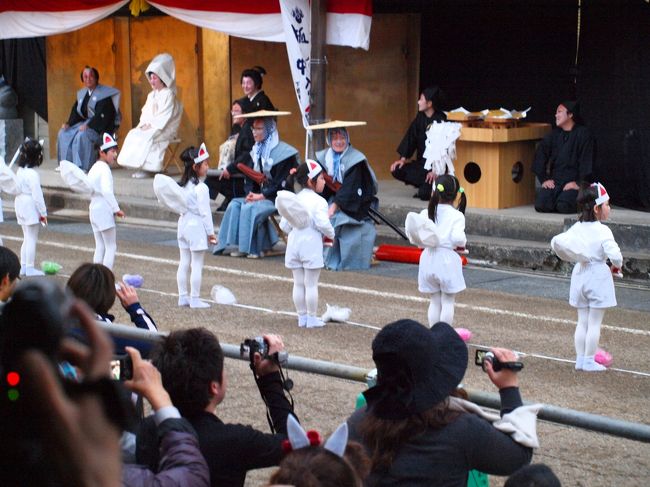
(348, 21)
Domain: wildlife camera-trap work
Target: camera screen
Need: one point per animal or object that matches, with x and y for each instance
(480, 356)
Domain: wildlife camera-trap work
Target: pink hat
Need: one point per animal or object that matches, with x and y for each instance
(602, 195)
(314, 168)
(203, 154)
(107, 142)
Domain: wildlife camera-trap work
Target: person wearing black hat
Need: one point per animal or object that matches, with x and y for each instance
(416, 432)
(413, 172)
(563, 160)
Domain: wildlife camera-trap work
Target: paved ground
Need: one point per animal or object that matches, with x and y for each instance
(524, 312)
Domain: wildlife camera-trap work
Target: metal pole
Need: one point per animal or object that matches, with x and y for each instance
(318, 67)
(555, 414)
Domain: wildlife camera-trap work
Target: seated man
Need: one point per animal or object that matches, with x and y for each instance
(191, 365)
(564, 158)
(413, 173)
(97, 110)
(350, 203)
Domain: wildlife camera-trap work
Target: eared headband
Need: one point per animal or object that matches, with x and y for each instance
(314, 168)
(299, 438)
(203, 154)
(601, 193)
(107, 142)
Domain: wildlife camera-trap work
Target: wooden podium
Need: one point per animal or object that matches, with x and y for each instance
(494, 164)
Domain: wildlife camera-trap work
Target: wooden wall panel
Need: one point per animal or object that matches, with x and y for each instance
(67, 54)
(375, 85)
(154, 35)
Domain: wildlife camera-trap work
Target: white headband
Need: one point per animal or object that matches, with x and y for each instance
(107, 142)
(203, 154)
(602, 195)
(314, 168)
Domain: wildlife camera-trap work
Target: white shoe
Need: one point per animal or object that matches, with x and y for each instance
(237, 253)
(302, 321)
(255, 256)
(140, 175)
(57, 168)
(31, 272)
(197, 303)
(314, 322)
(580, 360)
(183, 301)
(590, 365)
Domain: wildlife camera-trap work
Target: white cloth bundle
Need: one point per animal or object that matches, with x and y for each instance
(336, 313)
(75, 178)
(222, 295)
(169, 193)
(440, 149)
(420, 230)
(569, 247)
(292, 210)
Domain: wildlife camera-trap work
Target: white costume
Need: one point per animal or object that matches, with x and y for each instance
(103, 207)
(441, 268)
(305, 245)
(592, 284)
(195, 225)
(30, 207)
(144, 149)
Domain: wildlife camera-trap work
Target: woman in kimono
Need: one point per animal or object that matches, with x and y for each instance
(245, 228)
(349, 205)
(145, 145)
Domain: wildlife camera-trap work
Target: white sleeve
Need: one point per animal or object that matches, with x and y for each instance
(34, 182)
(106, 189)
(285, 226)
(203, 203)
(321, 219)
(457, 235)
(611, 248)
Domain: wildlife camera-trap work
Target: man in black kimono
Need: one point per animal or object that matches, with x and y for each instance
(564, 158)
(413, 172)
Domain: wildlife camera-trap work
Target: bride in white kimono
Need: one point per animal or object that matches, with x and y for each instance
(145, 145)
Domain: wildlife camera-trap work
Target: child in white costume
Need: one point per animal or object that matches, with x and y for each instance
(589, 243)
(103, 206)
(440, 272)
(195, 228)
(304, 254)
(29, 204)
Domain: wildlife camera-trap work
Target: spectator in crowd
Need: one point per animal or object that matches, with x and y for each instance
(191, 364)
(563, 160)
(95, 111)
(9, 272)
(415, 432)
(413, 172)
(57, 432)
(534, 475)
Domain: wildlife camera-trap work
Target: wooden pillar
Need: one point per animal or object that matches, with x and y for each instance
(318, 63)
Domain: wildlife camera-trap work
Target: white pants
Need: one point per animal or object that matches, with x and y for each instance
(105, 247)
(191, 263)
(305, 290)
(588, 331)
(441, 308)
(28, 248)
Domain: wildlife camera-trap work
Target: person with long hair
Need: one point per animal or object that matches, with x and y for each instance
(103, 206)
(195, 227)
(417, 432)
(440, 273)
(29, 204)
(304, 254)
(590, 243)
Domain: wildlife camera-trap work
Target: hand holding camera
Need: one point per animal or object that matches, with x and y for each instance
(501, 366)
(147, 381)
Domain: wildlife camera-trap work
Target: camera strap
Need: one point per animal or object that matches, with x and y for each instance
(287, 385)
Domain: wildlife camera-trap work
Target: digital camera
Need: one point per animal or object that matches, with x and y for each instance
(258, 344)
(483, 356)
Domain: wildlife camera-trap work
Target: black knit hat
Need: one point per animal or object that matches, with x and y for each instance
(417, 367)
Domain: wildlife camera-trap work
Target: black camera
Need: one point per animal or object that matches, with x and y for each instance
(258, 344)
(483, 356)
(122, 367)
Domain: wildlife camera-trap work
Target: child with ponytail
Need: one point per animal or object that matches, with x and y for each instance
(589, 243)
(304, 254)
(441, 271)
(195, 227)
(29, 204)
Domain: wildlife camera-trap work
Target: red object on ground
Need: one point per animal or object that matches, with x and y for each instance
(399, 253)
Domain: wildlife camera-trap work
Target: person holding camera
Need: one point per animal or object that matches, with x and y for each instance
(191, 363)
(415, 429)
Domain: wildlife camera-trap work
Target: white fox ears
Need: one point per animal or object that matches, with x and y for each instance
(299, 438)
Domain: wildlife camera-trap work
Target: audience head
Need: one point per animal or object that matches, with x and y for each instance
(592, 200)
(337, 463)
(537, 475)
(9, 272)
(94, 284)
(31, 153)
(445, 190)
(191, 364)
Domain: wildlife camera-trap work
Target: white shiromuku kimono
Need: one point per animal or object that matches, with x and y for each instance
(103, 204)
(144, 149)
(29, 202)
